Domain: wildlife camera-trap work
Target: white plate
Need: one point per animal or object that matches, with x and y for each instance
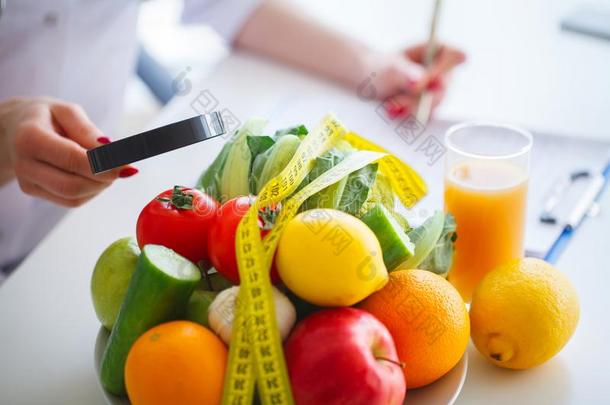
(443, 391)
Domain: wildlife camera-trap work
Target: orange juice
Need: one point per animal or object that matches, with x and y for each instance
(488, 200)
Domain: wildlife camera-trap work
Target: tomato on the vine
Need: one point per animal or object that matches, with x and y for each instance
(221, 244)
(179, 219)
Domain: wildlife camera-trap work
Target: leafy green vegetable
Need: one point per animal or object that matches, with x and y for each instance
(357, 188)
(331, 195)
(425, 238)
(257, 169)
(209, 181)
(439, 260)
(299, 130)
(234, 180)
(345, 147)
(275, 159)
(259, 144)
(382, 193)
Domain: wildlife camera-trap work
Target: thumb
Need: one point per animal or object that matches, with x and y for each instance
(410, 78)
(76, 125)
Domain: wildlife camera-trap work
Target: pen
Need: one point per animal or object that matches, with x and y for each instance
(588, 199)
(424, 106)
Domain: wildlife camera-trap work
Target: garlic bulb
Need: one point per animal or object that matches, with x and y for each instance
(222, 312)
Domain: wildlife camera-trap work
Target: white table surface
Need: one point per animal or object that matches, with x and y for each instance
(47, 322)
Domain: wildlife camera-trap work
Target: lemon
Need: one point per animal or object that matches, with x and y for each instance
(330, 258)
(523, 313)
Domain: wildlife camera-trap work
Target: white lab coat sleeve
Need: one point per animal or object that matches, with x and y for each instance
(24, 221)
(225, 16)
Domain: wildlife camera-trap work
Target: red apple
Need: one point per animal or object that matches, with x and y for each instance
(344, 356)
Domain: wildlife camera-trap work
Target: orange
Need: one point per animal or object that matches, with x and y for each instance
(178, 362)
(428, 321)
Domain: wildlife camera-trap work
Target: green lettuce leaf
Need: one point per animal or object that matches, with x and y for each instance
(274, 160)
(425, 238)
(357, 188)
(234, 180)
(259, 144)
(299, 130)
(259, 147)
(439, 260)
(331, 195)
(209, 181)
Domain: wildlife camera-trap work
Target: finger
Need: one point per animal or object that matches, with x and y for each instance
(438, 88)
(400, 105)
(411, 80)
(76, 124)
(36, 191)
(78, 127)
(437, 83)
(416, 53)
(57, 182)
(446, 59)
(44, 145)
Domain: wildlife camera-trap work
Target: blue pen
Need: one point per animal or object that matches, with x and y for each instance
(591, 194)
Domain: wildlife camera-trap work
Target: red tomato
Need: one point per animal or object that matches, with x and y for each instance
(179, 219)
(221, 244)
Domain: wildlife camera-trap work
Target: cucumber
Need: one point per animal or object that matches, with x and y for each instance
(197, 308)
(158, 292)
(395, 243)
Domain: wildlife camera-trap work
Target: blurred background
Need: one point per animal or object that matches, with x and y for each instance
(522, 66)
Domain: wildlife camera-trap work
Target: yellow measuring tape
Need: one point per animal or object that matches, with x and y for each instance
(255, 352)
(406, 183)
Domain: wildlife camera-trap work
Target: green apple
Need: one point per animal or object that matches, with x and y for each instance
(197, 308)
(111, 277)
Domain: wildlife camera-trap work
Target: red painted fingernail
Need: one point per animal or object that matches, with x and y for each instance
(402, 112)
(411, 84)
(396, 113)
(394, 110)
(103, 140)
(434, 84)
(128, 172)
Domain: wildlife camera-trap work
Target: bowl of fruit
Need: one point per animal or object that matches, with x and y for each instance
(288, 274)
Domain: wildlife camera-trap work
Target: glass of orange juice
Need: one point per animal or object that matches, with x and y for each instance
(486, 176)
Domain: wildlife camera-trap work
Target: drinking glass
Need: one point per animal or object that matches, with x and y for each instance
(486, 177)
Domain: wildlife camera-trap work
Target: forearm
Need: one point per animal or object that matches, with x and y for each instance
(304, 43)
